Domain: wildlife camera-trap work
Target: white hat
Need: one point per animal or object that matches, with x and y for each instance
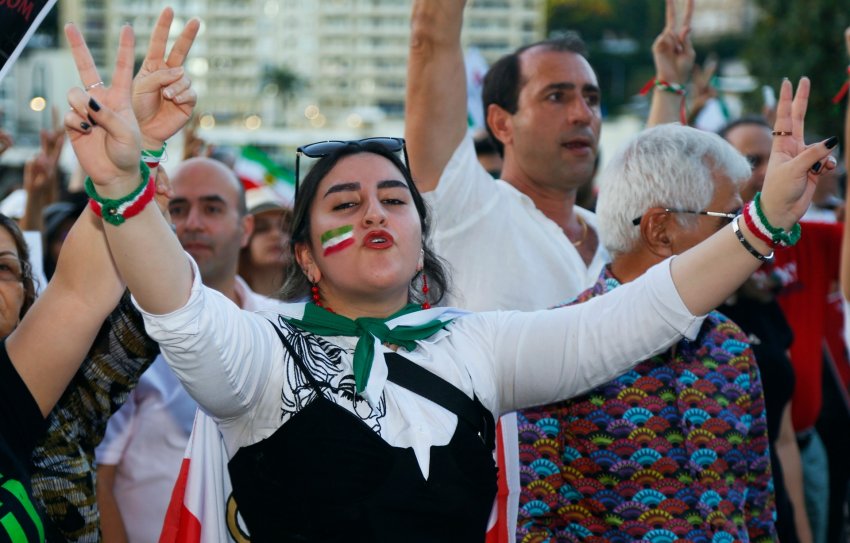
(262, 199)
(13, 205)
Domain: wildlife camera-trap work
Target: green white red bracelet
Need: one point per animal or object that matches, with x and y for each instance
(674, 88)
(117, 211)
(757, 222)
(153, 158)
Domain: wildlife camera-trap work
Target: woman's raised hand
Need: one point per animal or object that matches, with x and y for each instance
(101, 125)
(794, 167)
(163, 99)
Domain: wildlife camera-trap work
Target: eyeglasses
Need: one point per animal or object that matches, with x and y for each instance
(322, 149)
(11, 269)
(728, 216)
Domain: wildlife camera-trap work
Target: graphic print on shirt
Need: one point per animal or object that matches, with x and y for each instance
(324, 361)
(18, 517)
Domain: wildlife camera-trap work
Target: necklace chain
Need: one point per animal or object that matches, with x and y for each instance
(584, 229)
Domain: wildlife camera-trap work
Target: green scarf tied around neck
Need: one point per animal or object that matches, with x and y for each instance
(324, 323)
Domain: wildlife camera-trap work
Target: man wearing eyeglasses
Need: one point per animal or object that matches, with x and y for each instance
(677, 448)
(519, 242)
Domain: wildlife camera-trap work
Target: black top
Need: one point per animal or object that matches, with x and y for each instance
(326, 476)
(21, 425)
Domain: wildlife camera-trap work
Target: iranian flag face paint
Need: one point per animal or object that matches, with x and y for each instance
(337, 239)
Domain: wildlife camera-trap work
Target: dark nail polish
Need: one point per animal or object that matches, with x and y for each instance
(816, 167)
(831, 142)
(91, 120)
(85, 126)
(94, 105)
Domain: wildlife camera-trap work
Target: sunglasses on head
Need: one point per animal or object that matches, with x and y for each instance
(321, 149)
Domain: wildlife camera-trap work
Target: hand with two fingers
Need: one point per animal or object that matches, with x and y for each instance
(794, 167)
(108, 126)
(672, 51)
(163, 98)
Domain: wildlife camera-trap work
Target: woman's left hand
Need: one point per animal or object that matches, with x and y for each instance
(794, 167)
(163, 98)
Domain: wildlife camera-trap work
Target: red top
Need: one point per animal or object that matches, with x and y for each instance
(809, 272)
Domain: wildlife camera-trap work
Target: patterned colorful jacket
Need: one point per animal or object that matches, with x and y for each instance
(674, 450)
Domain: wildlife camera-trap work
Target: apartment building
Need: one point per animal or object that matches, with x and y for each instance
(347, 58)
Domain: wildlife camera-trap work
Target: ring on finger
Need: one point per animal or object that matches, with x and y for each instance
(94, 85)
(782, 133)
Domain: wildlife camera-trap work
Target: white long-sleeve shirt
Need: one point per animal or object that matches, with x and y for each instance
(234, 365)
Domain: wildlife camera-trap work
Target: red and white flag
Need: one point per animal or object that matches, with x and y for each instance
(202, 509)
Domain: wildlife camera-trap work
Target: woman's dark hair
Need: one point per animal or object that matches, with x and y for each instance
(24, 257)
(295, 284)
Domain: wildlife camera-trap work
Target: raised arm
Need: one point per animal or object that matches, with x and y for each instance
(673, 54)
(707, 274)
(86, 286)
(147, 255)
(435, 107)
(163, 99)
(82, 293)
(845, 243)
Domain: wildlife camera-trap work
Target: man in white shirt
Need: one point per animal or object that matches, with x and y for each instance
(519, 242)
(141, 453)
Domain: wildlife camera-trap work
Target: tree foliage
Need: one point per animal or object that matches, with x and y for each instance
(793, 39)
(619, 35)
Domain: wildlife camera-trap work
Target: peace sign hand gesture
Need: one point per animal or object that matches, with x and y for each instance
(794, 167)
(163, 99)
(101, 124)
(672, 50)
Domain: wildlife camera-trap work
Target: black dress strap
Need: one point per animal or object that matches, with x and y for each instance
(417, 379)
(298, 361)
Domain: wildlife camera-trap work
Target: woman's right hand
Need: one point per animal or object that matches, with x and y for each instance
(101, 125)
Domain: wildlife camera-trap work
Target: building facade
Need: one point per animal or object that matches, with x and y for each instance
(301, 63)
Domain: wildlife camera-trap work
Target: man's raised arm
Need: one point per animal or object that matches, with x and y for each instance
(435, 108)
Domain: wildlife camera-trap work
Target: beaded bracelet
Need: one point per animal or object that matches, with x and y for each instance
(786, 238)
(153, 158)
(674, 88)
(842, 92)
(752, 250)
(117, 211)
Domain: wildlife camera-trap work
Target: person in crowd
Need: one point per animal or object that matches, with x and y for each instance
(693, 413)
(62, 462)
(802, 277)
(755, 309)
(36, 371)
(542, 107)
(18, 286)
(263, 262)
(840, 493)
(287, 389)
(208, 209)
